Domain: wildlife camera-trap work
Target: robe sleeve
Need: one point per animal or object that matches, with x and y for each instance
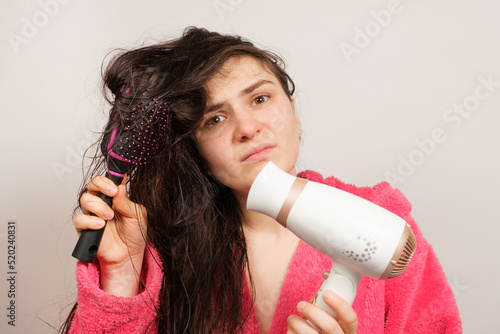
(421, 299)
(100, 312)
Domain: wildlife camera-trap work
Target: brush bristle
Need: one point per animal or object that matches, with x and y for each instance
(142, 133)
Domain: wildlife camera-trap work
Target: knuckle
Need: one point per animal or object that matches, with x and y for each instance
(87, 200)
(351, 319)
(294, 325)
(102, 178)
(98, 182)
(84, 198)
(332, 327)
(350, 322)
(78, 220)
(92, 183)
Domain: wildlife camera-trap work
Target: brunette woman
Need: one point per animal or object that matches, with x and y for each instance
(181, 254)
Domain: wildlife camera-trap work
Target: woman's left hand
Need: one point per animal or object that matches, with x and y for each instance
(347, 322)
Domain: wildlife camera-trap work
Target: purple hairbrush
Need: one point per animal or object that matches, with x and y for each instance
(131, 144)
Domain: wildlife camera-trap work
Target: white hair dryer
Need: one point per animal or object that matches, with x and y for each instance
(361, 237)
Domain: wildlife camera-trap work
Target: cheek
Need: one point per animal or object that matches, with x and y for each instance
(213, 150)
(283, 119)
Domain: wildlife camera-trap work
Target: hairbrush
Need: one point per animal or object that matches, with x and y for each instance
(132, 143)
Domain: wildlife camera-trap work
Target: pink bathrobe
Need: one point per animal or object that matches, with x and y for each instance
(419, 301)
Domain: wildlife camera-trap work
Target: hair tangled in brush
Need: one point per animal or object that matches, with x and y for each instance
(198, 236)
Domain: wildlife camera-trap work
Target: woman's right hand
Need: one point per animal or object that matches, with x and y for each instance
(347, 322)
(121, 251)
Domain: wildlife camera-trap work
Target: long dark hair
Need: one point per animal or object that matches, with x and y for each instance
(197, 235)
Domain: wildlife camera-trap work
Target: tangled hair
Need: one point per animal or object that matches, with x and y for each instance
(197, 235)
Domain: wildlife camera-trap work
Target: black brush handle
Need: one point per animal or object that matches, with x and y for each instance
(88, 244)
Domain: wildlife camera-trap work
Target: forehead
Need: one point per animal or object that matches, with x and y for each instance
(238, 63)
(239, 71)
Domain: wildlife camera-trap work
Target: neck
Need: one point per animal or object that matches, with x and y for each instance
(258, 223)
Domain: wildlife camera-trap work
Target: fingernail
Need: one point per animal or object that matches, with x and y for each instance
(328, 295)
(301, 306)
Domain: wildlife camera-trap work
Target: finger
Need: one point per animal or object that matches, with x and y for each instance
(127, 208)
(319, 318)
(101, 184)
(124, 180)
(299, 325)
(86, 222)
(347, 317)
(93, 204)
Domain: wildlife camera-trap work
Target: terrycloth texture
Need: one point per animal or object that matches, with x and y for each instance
(418, 301)
(100, 312)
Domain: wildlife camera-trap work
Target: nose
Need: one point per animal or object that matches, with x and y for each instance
(247, 126)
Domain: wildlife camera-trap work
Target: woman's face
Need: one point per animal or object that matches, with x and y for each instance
(248, 122)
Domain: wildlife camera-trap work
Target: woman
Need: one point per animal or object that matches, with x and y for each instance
(182, 254)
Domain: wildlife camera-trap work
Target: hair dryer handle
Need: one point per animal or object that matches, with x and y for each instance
(343, 281)
(88, 244)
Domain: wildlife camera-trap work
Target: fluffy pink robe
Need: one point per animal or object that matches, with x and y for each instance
(419, 301)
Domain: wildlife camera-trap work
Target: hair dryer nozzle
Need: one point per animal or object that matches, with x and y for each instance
(402, 254)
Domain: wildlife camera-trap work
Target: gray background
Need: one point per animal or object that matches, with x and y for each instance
(384, 111)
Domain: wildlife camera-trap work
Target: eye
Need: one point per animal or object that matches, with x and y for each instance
(260, 99)
(215, 120)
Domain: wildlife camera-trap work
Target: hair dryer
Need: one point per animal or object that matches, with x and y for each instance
(361, 237)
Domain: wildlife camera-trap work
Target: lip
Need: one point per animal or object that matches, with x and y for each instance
(257, 153)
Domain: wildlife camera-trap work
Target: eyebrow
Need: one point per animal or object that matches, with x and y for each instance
(244, 92)
(254, 86)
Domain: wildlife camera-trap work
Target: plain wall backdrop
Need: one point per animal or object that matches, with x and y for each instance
(404, 91)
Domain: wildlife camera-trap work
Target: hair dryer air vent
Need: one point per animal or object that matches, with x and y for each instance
(404, 253)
